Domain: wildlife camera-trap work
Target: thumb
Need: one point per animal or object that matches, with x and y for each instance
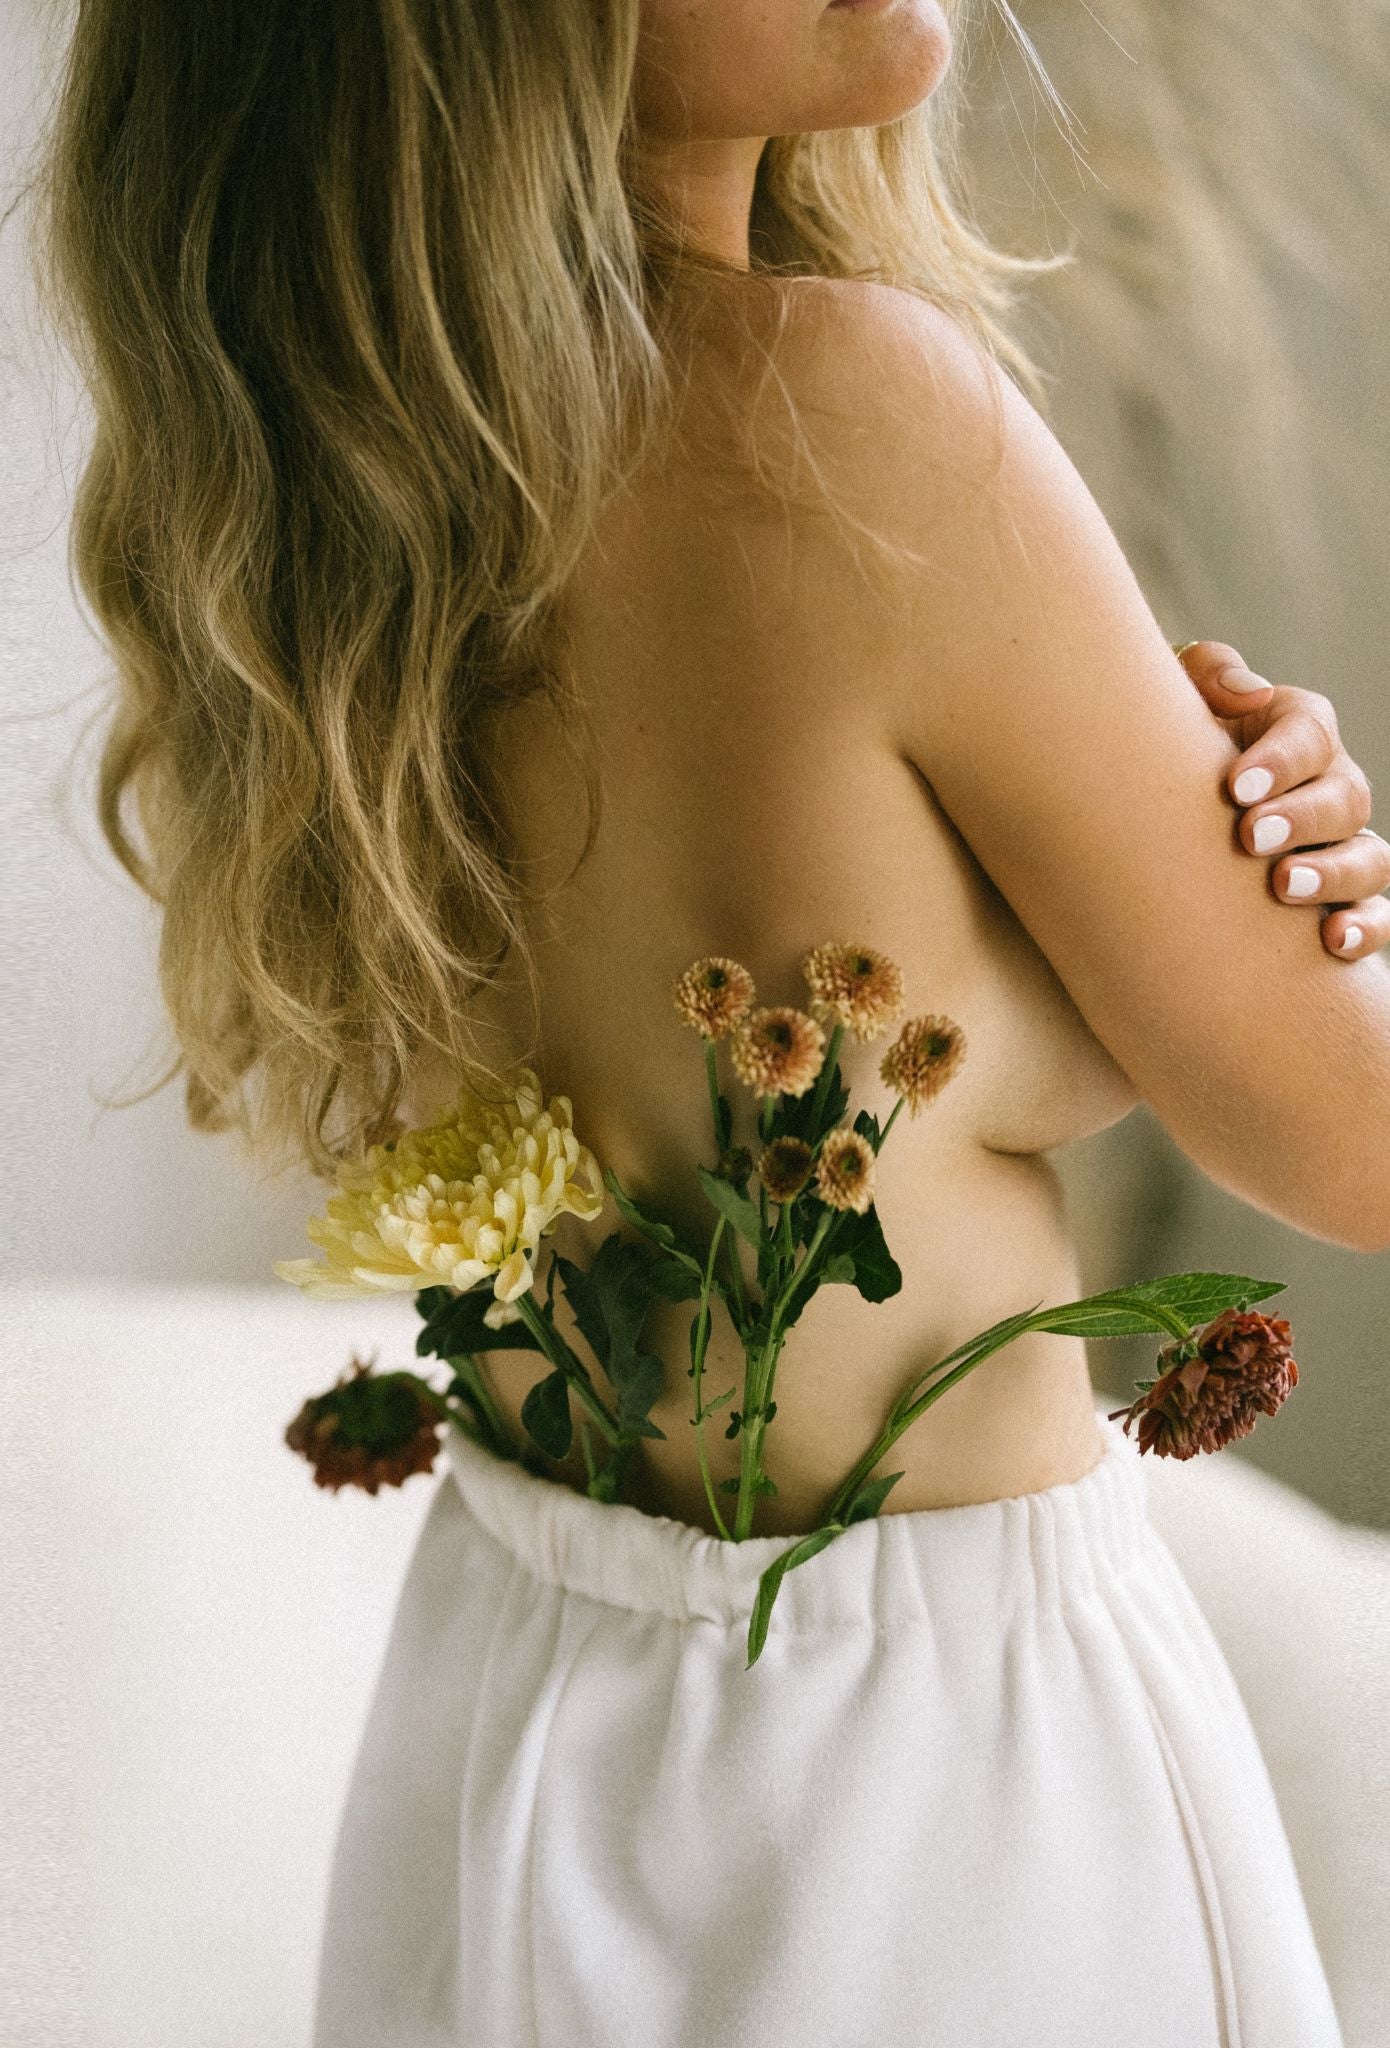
(1229, 688)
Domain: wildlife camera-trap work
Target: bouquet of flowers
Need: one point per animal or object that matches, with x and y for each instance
(462, 1204)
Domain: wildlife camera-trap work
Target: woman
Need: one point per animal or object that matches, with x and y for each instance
(498, 406)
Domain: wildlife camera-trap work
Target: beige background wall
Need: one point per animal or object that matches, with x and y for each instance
(1252, 507)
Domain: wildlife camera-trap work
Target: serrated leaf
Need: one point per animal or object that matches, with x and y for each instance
(1128, 1312)
(870, 1497)
(674, 1280)
(650, 1224)
(610, 1301)
(457, 1325)
(771, 1580)
(545, 1415)
(734, 1207)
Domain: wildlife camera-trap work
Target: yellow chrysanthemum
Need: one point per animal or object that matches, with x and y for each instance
(453, 1201)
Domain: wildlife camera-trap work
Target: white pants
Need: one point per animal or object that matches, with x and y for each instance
(990, 1785)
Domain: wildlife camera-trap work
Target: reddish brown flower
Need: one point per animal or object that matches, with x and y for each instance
(371, 1430)
(1243, 1367)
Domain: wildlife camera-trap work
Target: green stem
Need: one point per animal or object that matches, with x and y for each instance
(564, 1361)
(465, 1367)
(698, 1362)
(713, 1073)
(892, 1116)
(832, 1052)
(758, 1383)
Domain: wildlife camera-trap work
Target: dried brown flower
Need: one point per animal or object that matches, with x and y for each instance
(845, 1171)
(856, 986)
(922, 1059)
(371, 1430)
(1243, 1368)
(785, 1167)
(713, 994)
(777, 1051)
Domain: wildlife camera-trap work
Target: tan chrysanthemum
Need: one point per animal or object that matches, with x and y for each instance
(845, 1171)
(855, 986)
(713, 994)
(458, 1201)
(785, 1167)
(922, 1059)
(777, 1051)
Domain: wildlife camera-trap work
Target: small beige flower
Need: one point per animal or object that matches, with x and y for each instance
(785, 1167)
(845, 1170)
(454, 1202)
(713, 994)
(922, 1059)
(777, 1051)
(856, 986)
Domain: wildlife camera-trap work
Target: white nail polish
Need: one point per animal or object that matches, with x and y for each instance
(1251, 784)
(1351, 937)
(1270, 832)
(1302, 881)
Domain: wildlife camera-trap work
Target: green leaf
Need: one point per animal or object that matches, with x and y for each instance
(793, 1118)
(1128, 1311)
(650, 1225)
(545, 1415)
(870, 1497)
(876, 1272)
(771, 1580)
(728, 1485)
(708, 1407)
(736, 1208)
(838, 1268)
(866, 1123)
(674, 1280)
(610, 1302)
(456, 1324)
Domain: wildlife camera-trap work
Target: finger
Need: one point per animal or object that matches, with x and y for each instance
(1321, 813)
(1294, 749)
(1355, 930)
(1223, 679)
(1342, 874)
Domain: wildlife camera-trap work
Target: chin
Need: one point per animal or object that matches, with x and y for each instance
(893, 54)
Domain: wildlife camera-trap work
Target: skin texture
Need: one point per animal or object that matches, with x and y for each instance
(796, 747)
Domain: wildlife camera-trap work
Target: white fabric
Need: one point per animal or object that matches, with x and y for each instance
(991, 1780)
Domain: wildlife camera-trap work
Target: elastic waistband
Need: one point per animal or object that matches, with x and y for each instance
(940, 1564)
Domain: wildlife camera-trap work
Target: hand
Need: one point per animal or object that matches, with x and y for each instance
(1317, 791)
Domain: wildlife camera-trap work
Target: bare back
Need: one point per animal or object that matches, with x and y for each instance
(756, 804)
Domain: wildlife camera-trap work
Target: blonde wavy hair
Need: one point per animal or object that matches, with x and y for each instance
(373, 314)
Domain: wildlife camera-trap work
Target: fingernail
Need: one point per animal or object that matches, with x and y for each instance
(1270, 831)
(1301, 882)
(1241, 679)
(1251, 784)
(1351, 938)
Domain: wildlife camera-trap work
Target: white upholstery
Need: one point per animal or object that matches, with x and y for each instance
(194, 1628)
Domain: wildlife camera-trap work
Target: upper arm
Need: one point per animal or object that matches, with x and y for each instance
(1039, 697)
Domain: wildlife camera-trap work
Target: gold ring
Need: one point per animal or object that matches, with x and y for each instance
(1181, 651)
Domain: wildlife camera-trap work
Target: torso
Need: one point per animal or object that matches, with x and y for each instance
(755, 804)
